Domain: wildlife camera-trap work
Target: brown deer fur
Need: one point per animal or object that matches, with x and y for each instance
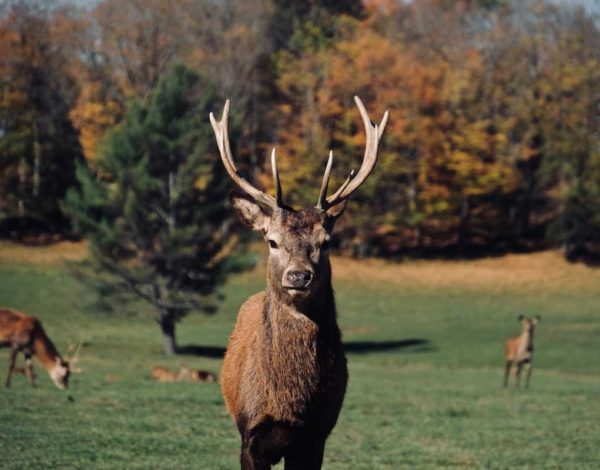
(164, 375)
(197, 375)
(519, 351)
(25, 334)
(284, 375)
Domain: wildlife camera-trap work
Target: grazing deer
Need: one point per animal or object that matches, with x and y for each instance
(164, 375)
(26, 334)
(284, 375)
(519, 350)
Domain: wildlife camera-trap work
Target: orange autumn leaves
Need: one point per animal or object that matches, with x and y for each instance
(493, 104)
(434, 156)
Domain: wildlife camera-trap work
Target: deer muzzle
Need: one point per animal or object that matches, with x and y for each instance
(297, 279)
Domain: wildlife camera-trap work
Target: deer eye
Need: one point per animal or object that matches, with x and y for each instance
(272, 244)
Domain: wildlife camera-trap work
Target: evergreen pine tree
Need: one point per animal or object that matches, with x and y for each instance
(154, 209)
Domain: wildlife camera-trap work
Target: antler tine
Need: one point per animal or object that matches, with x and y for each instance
(374, 133)
(382, 125)
(344, 185)
(221, 131)
(73, 357)
(323, 193)
(278, 192)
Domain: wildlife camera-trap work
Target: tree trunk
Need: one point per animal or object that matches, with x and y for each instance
(22, 182)
(37, 160)
(463, 227)
(167, 327)
(526, 203)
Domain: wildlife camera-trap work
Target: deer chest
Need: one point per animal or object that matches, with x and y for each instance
(305, 374)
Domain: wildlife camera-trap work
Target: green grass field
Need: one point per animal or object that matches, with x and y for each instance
(424, 339)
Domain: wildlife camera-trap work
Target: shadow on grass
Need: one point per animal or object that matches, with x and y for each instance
(411, 345)
(203, 351)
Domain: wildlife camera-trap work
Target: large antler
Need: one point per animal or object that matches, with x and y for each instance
(374, 133)
(222, 136)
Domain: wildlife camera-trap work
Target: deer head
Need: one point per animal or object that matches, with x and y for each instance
(63, 369)
(298, 265)
(528, 324)
(60, 373)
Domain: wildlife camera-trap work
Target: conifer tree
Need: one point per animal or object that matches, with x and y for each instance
(154, 211)
(38, 144)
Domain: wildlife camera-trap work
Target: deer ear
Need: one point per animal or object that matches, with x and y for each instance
(537, 318)
(521, 317)
(250, 212)
(335, 212)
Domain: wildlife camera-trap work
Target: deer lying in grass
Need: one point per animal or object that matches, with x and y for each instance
(25, 334)
(519, 350)
(164, 375)
(284, 375)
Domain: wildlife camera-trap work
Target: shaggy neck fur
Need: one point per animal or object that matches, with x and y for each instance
(44, 350)
(295, 349)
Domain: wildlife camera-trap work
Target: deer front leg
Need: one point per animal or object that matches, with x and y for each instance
(507, 368)
(12, 359)
(265, 445)
(529, 369)
(250, 458)
(518, 374)
(307, 457)
(29, 368)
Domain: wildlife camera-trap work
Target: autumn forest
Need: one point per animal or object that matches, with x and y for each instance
(493, 143)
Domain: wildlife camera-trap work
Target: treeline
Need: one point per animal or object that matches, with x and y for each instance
(493, 142)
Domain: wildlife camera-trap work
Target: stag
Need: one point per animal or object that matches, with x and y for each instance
(519, 350)
(284, 375)
(22, 333)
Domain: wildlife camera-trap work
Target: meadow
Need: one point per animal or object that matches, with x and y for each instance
(424, 343)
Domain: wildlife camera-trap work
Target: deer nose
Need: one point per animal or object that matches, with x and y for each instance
(299, 278)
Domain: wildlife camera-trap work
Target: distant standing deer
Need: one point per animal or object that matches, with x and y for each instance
(24, 333)
(284, 375)
(519, 350)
